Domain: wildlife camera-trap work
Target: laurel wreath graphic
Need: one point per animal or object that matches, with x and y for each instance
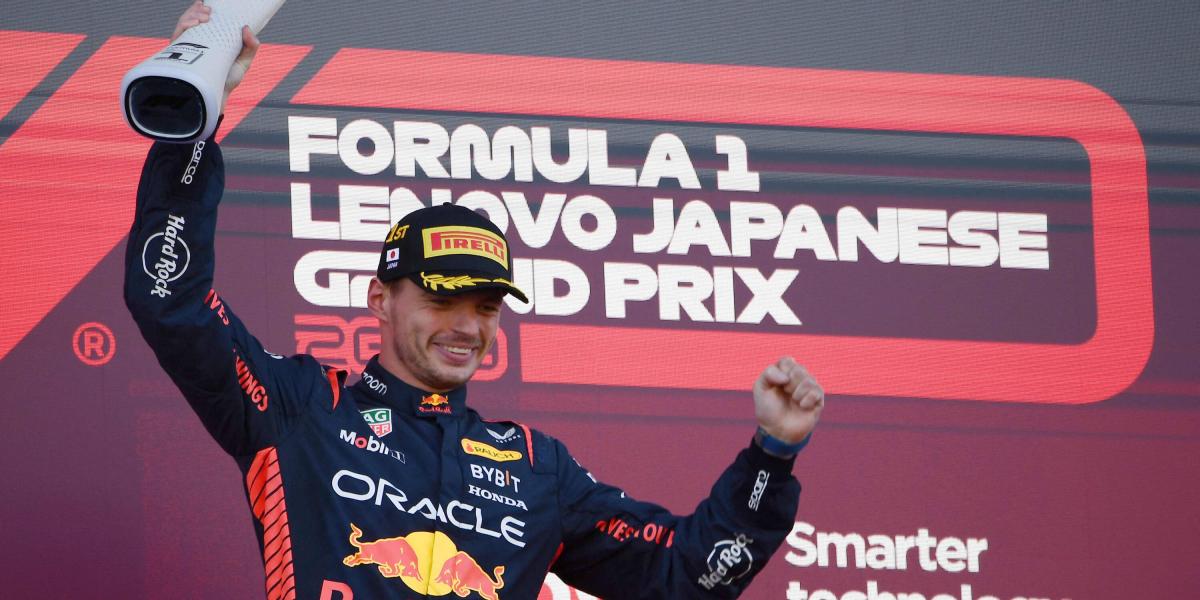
(433, 281)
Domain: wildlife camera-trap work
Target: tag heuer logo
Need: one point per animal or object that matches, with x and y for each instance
(380, 420)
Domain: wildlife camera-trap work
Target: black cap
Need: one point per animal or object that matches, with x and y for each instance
(448, 249)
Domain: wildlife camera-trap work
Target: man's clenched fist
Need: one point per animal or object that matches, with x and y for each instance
(787, 401)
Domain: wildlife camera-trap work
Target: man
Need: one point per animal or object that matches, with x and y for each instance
(448, 502)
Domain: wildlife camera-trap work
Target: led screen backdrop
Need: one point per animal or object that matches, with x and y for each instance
(977, 225)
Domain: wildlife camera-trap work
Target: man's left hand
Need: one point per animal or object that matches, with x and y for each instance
(787, 401)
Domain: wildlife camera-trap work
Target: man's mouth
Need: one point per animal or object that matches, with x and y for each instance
(455, 353)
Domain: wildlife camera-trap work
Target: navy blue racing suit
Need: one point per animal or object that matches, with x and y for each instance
(381, 490)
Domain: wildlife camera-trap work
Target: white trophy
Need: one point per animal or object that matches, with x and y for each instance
(176, 95)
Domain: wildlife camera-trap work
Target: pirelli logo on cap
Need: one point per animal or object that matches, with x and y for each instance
(440, 241)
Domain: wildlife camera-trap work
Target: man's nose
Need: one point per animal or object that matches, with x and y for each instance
(463, 319)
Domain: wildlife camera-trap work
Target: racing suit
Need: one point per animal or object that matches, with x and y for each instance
(381, 490)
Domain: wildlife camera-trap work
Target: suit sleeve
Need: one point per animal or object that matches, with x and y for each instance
(618, 547)
(246, 397)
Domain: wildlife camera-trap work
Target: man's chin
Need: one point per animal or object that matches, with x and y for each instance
(452, 377)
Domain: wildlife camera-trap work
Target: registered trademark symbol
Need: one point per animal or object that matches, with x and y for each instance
(94, 344)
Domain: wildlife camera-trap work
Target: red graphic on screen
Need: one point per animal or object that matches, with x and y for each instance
(81, 127)
(350, 343)
(26, 57)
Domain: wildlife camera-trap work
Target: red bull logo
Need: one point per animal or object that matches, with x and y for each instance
(394, 556)
(413, 558)
(435, 403)
(464, 576)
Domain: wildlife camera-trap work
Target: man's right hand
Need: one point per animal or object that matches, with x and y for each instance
(199, 13)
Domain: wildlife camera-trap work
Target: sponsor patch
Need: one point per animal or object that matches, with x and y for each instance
(388, 497)
(454, 239)
(436, 404)
(760, 484)
(374, 383)
(475, 448)
(370, 444)
(425, 552)
(380, 420)
(172, 258)
(496, 497)
(729, 560)
(496, 475)
(253, 389)
(190, 172)
(501, 438)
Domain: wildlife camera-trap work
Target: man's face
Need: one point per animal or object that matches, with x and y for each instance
(436, 342)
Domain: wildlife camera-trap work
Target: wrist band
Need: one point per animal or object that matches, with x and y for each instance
(777, 447)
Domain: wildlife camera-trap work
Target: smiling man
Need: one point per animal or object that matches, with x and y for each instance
(442, 277)
(393, 487)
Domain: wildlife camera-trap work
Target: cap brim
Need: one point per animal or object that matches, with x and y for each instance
(459, 282)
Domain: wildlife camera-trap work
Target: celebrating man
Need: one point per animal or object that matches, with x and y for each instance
(454, 503)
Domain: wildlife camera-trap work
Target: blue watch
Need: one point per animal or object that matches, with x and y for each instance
(777, 447)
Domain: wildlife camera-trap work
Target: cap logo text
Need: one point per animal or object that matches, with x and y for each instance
(441, 241)
(396, 233)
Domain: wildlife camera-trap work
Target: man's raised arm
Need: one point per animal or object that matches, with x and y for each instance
(244, 395)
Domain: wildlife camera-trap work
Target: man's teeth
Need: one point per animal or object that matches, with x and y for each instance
(457, 350)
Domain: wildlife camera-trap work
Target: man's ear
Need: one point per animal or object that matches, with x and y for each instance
(378, 296)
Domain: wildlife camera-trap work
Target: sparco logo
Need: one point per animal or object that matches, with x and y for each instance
(173, 256)
(729, 560)
(376, 385)
(197, 153)
(760, 484)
